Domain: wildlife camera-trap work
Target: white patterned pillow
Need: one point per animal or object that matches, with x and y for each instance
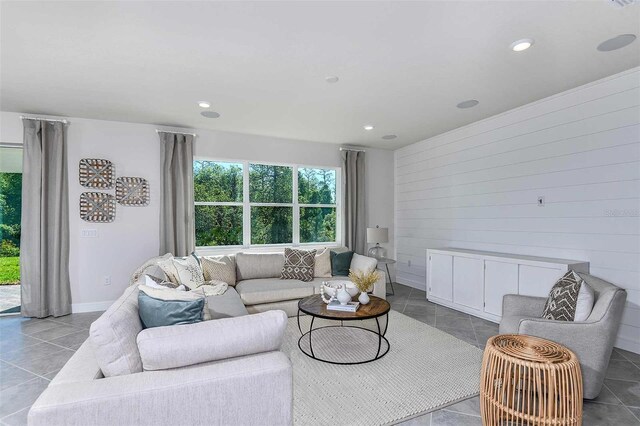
(219, 268)
(298, 264)
(185, 271)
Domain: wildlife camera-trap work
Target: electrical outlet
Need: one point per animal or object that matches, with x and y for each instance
(540, 201)
(106, 280)
(409, 263)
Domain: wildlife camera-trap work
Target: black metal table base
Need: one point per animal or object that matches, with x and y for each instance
(383, 343)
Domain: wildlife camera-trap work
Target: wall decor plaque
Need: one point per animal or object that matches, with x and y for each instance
(97, 207)
(96, 173)
(132, 191)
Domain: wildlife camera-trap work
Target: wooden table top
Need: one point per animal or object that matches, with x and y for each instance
(313, 305)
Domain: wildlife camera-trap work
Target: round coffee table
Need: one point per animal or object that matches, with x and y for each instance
(332, 336)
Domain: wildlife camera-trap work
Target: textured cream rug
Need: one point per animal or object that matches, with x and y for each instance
(425, 369)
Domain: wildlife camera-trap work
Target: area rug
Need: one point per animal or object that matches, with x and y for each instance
(424, 370)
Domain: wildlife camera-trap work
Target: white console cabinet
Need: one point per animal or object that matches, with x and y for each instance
(475, 281)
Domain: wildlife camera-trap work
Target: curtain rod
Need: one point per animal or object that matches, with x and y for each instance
(177, 133)
(352, 149)
(44, 119)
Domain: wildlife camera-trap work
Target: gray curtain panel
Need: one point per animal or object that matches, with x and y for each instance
(355, 220)
(44, 240)
(177, 229)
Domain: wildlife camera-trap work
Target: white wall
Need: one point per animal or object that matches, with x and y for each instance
(477, 187)
(134, 149)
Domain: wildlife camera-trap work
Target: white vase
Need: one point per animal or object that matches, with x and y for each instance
(363, 298)
(343, 296)
(352, 290)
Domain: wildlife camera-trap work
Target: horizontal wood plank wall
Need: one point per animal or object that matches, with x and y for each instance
(477, 187)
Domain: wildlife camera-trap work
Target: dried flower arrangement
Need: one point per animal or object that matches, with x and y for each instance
(364, 281)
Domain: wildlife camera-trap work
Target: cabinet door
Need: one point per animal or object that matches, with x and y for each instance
(537, 280)
(441, 276)
(500, 278)
(468, 282)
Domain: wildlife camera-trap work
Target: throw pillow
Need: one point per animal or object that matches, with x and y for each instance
(219, 268)
(586, 299)
(184, 271)
(322, 268)
(178, 294)
(160, 313)
(562, 302)
(155, 282)
(363, 264)
(298, 264)
(150, 267)
(340, 263)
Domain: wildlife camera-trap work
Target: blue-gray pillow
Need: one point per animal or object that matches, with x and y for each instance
(340, 263)
(159, 313)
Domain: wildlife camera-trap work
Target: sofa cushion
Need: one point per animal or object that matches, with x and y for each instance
(340, 263)
(322, 267)
(258, 265)
(363, 264)
(267, 290)
(226, 305)
(298, 264)
(219, 268)
(114, 336)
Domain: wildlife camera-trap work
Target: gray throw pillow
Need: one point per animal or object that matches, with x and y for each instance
(298, 264)
(160, 313)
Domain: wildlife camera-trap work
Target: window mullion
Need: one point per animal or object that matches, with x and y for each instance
(296, 209)
(246, 208)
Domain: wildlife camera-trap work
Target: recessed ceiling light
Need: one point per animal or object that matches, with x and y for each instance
(616, 43)
(368, 127)
(468, 104)
(210, 114)
(522, 44)
(389, 137)
(204, 104)
(332, 79)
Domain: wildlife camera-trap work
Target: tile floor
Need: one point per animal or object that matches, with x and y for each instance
(32, 351)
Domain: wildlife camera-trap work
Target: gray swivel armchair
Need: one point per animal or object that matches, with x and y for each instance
(591, 340)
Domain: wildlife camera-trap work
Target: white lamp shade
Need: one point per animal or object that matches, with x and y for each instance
(377, 235)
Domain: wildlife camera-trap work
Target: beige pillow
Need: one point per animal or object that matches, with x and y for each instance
(185, 271)
(219, 268)
(322, 267)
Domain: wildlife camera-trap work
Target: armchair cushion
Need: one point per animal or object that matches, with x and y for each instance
(163, 348)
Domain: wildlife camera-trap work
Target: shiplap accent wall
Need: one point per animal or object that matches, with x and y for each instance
(477, 187)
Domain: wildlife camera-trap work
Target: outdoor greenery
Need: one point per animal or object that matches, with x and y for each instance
(222, 184)
(9, 270)
(10, 212)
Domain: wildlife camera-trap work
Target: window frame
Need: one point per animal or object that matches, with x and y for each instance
(295, 205)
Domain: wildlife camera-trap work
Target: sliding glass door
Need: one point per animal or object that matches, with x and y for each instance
(10, 211)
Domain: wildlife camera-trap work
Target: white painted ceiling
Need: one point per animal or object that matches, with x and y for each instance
(403, 66)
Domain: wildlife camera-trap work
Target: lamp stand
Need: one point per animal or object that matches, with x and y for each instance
(377, 251)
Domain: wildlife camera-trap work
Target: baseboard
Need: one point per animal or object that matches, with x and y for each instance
(627, 345)
(414, 284)
(77, 308)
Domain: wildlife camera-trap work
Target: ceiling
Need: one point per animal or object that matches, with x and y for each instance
(403, 66)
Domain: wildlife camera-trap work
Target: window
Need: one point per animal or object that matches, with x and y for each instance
(244, 203)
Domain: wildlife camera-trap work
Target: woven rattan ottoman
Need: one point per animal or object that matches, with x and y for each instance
(527, 380)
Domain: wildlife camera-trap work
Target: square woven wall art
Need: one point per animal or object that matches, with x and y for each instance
(132, 191)
(96, 173)
(97, 207)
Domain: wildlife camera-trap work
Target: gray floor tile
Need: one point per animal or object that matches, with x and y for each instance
(16, 341)
(633, 357)
(21, 396)
(450, 321)
(30, 353)
(418, 294)
(607, 397)
(627, 392)
(480, 322)
(36, 325)
(420, 314)
(635, 411)
(450, 418)
(51, 375)
(72, 341)
(424, 420)
(470, 406)
(46, 364)
(53, 333)
(424, 304)
(607, 415)
(17, 419)
(622, 370)
(11, 376)
(81, 320)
